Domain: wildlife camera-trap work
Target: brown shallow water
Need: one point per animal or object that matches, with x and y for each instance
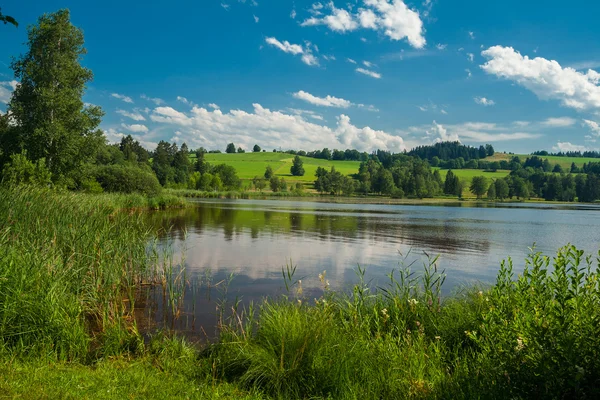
(234, 250)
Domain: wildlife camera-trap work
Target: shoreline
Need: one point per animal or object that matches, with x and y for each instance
(436, 201)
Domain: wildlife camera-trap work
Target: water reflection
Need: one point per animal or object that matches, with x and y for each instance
(254, 239)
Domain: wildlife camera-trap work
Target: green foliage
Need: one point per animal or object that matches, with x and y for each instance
(228, 176)
(259, 183)
(22, 171)
(536, 337)
(7, 19)
(297, 168)
(256, 149)
(127, 179)
(162, 162)
(539, 335)
(230, 148)
(59, 275)
(268, 172)
(50, 118)
(491, 193)
(478, 186)
(502, 189)
(277, 184)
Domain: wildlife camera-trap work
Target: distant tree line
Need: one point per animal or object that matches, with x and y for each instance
(586, 154)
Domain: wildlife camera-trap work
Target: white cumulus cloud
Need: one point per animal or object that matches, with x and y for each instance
(327, 101)
(568, 146)
(6, 89)
(391, 17)
(135, 128)
(202, 127)
(484, 101)
(546, 78)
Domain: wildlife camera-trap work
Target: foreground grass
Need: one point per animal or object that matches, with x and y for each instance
(69, 266)
(533, 337)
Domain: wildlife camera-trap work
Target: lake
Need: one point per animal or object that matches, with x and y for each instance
(235, 249)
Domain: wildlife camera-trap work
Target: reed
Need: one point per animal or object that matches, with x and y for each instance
(69, 264)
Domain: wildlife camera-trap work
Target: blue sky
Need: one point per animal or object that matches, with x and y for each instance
(362, 74)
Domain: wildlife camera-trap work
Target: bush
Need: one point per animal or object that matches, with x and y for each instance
(127, 179)
(21, 170)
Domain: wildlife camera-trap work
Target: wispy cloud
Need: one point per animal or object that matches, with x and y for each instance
(307, 56)
(138, 128)
(368, 72)
(560, 122)
(331, 101)
(133, 115)
(126, 99)
(155, 100)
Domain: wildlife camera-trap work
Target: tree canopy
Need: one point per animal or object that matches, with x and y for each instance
(51, 121)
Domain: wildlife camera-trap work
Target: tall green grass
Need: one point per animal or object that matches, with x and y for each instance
(69, 266)
(532, 336)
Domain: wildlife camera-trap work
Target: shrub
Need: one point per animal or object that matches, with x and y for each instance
(20, 170)
(127, 179)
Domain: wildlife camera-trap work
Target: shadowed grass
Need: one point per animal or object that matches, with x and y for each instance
(534, 337)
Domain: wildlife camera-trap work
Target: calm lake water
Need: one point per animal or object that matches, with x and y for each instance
(254, 239)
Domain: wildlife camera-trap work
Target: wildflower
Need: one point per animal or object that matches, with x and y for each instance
(438, 337)
(299, 290)
(385, 314)
(322, 276)
(480, 293)
(413, 302)
(299, 302)
(327, 284)
(520, 346)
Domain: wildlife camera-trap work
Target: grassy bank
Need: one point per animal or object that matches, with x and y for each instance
(70, 264)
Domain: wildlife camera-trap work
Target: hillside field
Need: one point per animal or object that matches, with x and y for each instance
(565, 162)
(249, 165)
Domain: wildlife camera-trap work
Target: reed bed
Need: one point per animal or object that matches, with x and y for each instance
(71, 264)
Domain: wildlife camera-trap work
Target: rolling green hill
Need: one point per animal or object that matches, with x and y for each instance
(249, 165)
(564, 162)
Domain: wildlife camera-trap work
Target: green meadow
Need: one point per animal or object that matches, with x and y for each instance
(466, 175)
(564, 162)
(249, 165)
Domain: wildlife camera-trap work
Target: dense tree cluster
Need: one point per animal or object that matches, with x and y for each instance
(445, 151)
(399, 176)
